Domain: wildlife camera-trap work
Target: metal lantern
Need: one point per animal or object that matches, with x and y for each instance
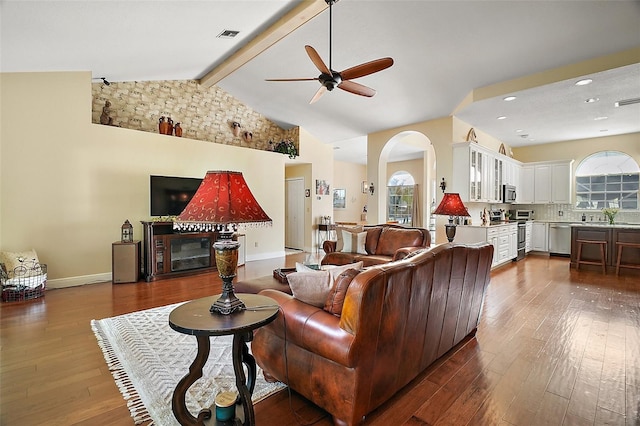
(127, 232)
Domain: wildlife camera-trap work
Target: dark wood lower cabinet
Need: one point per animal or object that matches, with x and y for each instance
(610, 234)
(168, 254)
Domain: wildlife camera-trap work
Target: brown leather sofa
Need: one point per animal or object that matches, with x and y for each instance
(384, 243)
(396, 320)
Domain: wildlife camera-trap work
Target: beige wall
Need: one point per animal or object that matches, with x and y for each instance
(349, 176)
(68, 185)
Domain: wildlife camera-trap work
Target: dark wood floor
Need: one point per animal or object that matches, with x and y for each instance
(555, 346)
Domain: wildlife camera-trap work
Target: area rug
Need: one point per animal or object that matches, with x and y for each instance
(147, 359)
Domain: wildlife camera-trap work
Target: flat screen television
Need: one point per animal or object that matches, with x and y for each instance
(170, 194)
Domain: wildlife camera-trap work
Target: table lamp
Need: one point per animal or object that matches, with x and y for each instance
(451, 205)
(222, 202)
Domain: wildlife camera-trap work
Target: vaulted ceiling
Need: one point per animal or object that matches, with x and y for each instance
(459, 57)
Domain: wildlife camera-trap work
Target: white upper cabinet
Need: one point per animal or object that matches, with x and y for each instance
(479, 173)
(525, 192)
(552, 182)
(561, 182)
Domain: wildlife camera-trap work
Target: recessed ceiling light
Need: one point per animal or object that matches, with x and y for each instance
(584, 82)
(519, 130)
(600, 118)
(502, 117)
(228, 34)
(509, 98)
(592, 100)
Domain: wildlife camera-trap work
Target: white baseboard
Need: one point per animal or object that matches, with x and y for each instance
(81, 280)
(106, 276)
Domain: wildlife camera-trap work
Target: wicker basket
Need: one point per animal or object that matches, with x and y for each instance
(27, 281)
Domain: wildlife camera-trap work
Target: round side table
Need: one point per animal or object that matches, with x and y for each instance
(195, 319)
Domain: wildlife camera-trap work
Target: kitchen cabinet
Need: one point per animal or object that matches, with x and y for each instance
(546, 182)
(525, 192)
(503, 238)
(539, 236)
(542, 184)
(480, 173)
(528, 233)
(561, 182)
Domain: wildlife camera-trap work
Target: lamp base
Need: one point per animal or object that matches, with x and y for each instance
(450, 230)
(227, 264)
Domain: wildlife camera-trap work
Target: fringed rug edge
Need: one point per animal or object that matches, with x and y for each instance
(136, 407)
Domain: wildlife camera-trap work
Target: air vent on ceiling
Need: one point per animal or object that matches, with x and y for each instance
(626, 102)
(228, 34)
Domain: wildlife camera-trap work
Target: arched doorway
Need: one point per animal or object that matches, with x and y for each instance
(423, 169)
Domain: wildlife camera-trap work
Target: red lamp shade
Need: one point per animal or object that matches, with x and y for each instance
(223, 198)
(451, 205)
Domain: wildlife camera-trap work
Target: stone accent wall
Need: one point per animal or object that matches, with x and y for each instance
(204, 114)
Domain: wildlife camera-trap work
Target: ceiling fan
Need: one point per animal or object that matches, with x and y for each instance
(330, 79)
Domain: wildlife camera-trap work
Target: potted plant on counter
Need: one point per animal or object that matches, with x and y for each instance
(610, 213)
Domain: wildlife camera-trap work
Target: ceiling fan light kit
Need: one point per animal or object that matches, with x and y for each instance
(330, 79)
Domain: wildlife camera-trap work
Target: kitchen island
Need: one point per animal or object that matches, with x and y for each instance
(611, 234)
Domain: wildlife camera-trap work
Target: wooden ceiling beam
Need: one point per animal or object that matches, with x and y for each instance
(292, 20)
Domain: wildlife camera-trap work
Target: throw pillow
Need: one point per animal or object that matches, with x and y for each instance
(354, 243)
(339, 229)
(336, 270)
(338, 292)
(310, 287)
(12, 260)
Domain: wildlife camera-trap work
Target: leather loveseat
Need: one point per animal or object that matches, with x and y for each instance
(396, 320)
(383, 243)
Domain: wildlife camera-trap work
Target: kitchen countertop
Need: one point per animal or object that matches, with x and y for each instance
(570, 223)
(606, 225)
(599, 224)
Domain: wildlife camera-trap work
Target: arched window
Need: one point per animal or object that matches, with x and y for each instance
(400, 188)
(607, 179)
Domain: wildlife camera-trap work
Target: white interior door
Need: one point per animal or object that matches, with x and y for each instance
(294, 221)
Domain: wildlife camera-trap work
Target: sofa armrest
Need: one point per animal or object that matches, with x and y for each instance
(403, 252)
(311, 328)
(329, 246)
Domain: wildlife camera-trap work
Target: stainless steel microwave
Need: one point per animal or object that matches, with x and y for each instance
(508, 194)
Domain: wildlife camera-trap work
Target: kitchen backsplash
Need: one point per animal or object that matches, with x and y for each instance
(551, 212)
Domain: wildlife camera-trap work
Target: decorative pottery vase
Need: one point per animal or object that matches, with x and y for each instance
(236, 128)
(177, 130)
(169, 126)
(163, 126)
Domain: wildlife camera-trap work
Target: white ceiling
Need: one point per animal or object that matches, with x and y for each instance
(443, 51)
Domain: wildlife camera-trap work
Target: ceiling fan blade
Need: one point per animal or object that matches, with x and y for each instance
(366, 68)
(357, 88)
(321, 91)
(291, 79)
(317, 60)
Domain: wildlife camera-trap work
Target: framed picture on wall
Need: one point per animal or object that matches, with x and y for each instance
(322, 187)
(339, 198)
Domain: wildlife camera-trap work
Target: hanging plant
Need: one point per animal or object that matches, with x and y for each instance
(284, 147)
